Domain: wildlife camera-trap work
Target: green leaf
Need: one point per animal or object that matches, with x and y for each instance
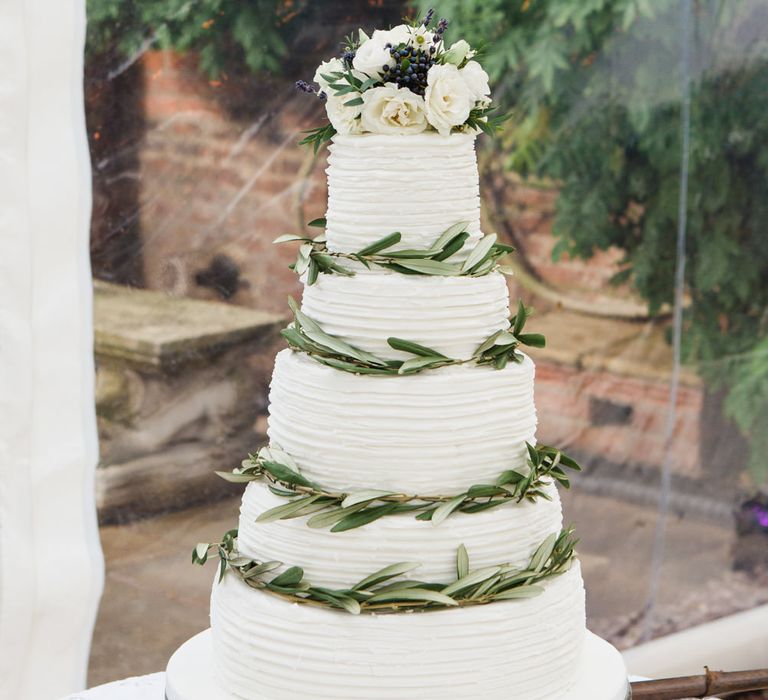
(534, 340)
(453, 247)
(445, 509)
(318, 223)
(448, 235)
(543, 553)
(200, 553)
(429, 267)
(413, 348)
(483, 491)
(419, 363)
(520, 318)
(487, 344)
(385, 574)
(291, 237)
(520, 592)
(288, 510)
(471, 579)
(381, 244)
(414, 594)
(283, 473)
(236, 478)
(479, 252)
(332, 516)
(462, 562)
(364, 496)
(312, 272)
(261, 569)
(354, 103)
(363, 517)
(289, 577)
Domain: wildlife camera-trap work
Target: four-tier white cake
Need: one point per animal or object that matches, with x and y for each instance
(439, 430)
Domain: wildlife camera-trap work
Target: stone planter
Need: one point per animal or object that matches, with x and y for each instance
(181, 384)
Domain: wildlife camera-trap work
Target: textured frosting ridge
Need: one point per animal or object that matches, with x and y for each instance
(435, 432)
(417, 184)
(450, 314)
(509, 534)
(269, 649)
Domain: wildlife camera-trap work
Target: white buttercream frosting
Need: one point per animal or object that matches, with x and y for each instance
(270, 649)
(432, 433)
(418, 184)
(452, 315)
(508, 534)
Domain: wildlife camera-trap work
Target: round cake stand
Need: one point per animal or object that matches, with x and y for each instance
(190, 674)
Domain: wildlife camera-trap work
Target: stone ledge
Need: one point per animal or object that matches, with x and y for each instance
(628, 348)
(153, 330)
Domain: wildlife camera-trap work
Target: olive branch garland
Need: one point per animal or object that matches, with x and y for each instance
(381, 593)
(314, 257)
(307, 336)
(348, 510)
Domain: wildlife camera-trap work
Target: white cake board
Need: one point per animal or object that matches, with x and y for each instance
(190, 674)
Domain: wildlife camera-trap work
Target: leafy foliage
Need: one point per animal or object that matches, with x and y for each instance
(349, 510)
(225, 34)
(596, 90)
(385, 592)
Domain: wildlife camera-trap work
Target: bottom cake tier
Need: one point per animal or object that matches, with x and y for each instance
(531, 649)
(190, 674)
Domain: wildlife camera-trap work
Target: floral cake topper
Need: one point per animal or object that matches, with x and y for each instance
(403, 80)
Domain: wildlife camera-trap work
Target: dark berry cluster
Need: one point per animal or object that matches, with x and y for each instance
(348, 56)
(304, 86)
(411, 67)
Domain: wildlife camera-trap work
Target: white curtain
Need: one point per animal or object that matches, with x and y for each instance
(51, 568)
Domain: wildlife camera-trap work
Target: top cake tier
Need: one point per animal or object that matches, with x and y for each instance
(416, 184)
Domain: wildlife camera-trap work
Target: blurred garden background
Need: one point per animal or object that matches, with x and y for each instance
(638, 129)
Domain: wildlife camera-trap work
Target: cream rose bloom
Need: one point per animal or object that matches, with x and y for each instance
(477, 81)
(333, 66)
(448, 98)
(458, 52)
(393, 110)
(344, 119)
(397, 35)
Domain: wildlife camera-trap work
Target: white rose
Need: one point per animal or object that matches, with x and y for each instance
(393, 110)
(335, 65)
(344, 119)
(372, 56)
(395, 36)
(448, 99)
(458, 52)
(477, 81)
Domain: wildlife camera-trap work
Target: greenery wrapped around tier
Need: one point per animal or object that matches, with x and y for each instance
(314, 257)
(381, 593)
(347, 510)
(306, 335)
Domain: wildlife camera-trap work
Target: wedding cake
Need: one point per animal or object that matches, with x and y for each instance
(402, 535)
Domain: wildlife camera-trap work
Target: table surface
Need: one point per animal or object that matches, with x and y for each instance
(150, 687)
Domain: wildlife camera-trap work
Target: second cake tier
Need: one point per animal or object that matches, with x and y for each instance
(509, 534)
